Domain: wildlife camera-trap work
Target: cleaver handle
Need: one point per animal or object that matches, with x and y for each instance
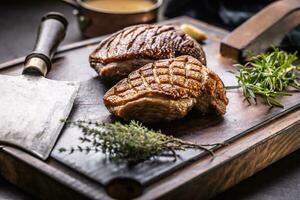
(51, 32)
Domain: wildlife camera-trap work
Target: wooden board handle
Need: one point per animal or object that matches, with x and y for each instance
(124, 188)
(52, 31)
(266, 28)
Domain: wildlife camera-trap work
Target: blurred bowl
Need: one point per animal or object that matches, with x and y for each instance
(94, 22)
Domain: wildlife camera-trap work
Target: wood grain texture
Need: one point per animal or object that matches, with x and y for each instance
(86, 176)
(239, 120)
(262, 30)
(232, 164)
(46, 180)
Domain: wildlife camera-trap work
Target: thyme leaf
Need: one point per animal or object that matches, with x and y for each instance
(268, 75)
(132, 142)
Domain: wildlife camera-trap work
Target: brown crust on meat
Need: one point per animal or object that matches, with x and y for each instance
(151, 42)
(175, 79)
(154, 109)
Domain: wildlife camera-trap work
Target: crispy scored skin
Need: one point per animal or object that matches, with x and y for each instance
(135, 46)
(166, 90)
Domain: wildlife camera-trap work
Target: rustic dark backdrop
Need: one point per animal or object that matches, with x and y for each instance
(18, 25)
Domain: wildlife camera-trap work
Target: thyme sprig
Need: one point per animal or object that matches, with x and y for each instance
(132, 142)
(268, 75)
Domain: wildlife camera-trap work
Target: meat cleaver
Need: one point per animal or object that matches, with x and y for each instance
(31, 106)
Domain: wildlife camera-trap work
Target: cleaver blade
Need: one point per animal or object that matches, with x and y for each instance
(31, 111)
(32, 107)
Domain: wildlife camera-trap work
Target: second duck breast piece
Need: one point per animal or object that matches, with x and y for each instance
(135, 46)
(166, 90)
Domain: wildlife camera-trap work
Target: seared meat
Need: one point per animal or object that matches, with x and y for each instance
(135, 46)
(166, 90)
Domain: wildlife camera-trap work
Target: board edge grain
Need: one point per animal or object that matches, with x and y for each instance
(206, 178)
(188, 180)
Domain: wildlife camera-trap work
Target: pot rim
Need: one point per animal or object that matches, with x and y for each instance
(81, 5)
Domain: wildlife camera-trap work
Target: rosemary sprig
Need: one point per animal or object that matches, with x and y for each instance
(268, 75)
(132, 142)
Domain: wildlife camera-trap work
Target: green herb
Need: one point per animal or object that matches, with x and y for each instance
(268, 75)
(132, 142)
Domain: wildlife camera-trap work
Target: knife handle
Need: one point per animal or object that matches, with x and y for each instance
(51, 32)
(265, 29)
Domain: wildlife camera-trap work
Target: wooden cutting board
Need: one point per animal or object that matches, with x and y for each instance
(256, 135)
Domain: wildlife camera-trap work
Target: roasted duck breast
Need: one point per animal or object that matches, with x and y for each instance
(135, 46)
(166, 90)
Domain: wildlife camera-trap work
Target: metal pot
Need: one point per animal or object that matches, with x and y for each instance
(94, 22)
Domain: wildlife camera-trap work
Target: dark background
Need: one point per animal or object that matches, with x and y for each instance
(18, 22)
